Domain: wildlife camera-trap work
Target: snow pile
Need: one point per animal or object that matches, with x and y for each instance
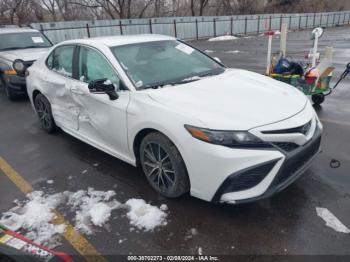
(34, 216)
(223, 38)
(331, 220)
(145, 216)
(92, 207)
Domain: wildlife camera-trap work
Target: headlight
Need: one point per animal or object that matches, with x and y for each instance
(227, 138)
(19, 66)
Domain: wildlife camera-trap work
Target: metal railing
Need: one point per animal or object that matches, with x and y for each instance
(188, 28)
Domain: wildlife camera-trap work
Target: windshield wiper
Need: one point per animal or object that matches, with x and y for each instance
(185, 80)
(24, 47)
(212, 73)
(11, 48)
(173, 83)
(36, 46)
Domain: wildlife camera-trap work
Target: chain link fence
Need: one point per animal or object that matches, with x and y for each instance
(190, 28)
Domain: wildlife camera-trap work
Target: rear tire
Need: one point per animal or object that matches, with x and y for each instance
(43, 109)
(318, 99)
(163, 166)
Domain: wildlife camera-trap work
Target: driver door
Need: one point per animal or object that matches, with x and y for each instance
(101, 121)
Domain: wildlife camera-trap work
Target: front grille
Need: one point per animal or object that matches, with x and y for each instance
(296, 162)
(286, 146)
(304, 129)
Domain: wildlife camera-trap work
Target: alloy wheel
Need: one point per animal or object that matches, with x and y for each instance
(158, 166)
(43, 113)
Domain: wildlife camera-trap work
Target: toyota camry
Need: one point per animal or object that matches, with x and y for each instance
(193, 125)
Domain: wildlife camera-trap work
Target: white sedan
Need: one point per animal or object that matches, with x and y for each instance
(195, 126)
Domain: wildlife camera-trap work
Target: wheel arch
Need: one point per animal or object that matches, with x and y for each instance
(137, 144)
(35, 93)
(141, 134)
(138, 139)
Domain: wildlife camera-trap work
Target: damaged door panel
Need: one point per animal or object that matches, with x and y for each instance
(64, 108)
(101, 120)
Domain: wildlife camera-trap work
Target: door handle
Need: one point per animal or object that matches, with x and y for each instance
(77, 91)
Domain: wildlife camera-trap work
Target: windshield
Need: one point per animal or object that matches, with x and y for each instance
(160, 63)
(13, 41)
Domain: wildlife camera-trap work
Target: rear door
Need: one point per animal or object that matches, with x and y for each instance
(58, 83)
(102, 121)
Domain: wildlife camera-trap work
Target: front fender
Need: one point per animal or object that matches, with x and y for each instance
(145, 113)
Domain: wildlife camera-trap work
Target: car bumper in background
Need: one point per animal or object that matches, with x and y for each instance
(16, 83)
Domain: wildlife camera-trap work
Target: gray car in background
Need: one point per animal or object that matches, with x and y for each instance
(19, 48)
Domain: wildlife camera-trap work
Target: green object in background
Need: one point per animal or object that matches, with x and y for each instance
(289, 79)
(2, 228)
(324, 83)
(300, 83)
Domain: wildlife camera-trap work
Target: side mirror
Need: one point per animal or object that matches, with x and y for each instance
(217, 59)
(103, 86)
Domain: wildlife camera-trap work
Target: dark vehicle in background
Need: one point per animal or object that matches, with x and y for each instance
(19, 48)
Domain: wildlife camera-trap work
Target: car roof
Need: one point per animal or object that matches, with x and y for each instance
(111, 41)
(9, 30)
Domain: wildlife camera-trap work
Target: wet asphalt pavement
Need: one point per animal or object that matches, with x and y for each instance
(287, 223)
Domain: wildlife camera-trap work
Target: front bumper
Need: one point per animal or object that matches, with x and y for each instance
(294, 165)
(16, 83)
(233, 175)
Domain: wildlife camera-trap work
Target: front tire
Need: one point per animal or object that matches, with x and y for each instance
(163, 166)
(43, 109)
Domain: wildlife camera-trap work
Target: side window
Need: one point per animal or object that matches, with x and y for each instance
(94, 66)
(61, 60)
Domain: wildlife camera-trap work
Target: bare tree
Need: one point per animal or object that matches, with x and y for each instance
(24, 11)
(199, 5)
(14, 7)
(144, 8)
(51, 7)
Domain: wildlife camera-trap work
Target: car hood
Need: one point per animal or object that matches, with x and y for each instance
(30, 54)
(234, 100)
